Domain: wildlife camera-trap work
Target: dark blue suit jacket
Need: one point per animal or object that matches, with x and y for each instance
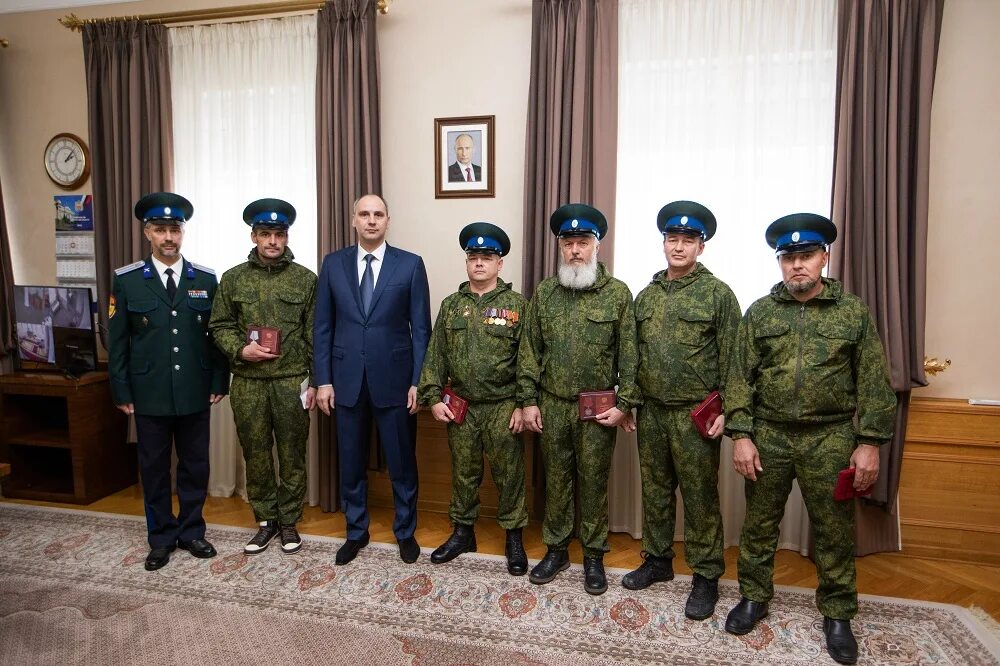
(389, 345)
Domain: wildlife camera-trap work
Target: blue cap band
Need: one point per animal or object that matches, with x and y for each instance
(163, 213)
(270, 217)
(578, 225)
(484, 244)
(800, 238)
(684, 223)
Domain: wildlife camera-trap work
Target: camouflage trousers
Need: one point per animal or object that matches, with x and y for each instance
(485, 431)
(672, 453)
(577, 457)
(813, 454)
(268, 414)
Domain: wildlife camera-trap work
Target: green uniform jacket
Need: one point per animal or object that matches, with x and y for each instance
(579, 340)
(815, 362)
(160, 358)
(474, 344)
(687, 329)
(280, 295)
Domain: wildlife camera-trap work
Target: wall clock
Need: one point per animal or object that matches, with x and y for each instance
(67, 161)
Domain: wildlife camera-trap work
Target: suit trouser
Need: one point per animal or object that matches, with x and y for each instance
(575, 453)
(397, 433)
(672, 453)
(813, 454)
(485, 430)
(157, 435)
(268, 413)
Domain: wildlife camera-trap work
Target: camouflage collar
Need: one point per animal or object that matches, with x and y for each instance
(832, 291)
(681, 282)
(283, 261)
(501, 287)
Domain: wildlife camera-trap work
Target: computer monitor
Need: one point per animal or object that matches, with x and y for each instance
(55, 328)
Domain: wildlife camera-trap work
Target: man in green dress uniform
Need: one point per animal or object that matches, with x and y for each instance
(686, 321)
(473, 348)
(270, 407)
(807, 396)
(165, 371)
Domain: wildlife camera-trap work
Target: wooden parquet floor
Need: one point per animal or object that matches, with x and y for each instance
(885, 574)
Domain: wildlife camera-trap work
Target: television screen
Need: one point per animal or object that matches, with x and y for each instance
(55, 328)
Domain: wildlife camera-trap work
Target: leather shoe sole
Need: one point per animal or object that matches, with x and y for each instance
(198, 548)
(350, 549)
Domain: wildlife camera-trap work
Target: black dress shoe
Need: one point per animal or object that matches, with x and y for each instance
(462, 540)
(517, 559)
(594, 580)
(654, 569)
(701, 602)
(745, 616)
(840, 642)
(409, 550)
(553, 562)
(350, 549)
(198, 548)
(157, 558)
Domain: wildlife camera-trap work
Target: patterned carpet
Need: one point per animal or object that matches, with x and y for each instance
(73, 591)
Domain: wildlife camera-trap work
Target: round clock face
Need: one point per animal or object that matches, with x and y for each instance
(67, 161)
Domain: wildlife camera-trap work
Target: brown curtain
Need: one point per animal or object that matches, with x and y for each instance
(348, 154)
(131, 135)
(886, 57)
(8, 336)
(572, 131)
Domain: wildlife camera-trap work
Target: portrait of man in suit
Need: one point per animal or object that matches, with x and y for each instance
(463, 169)
(371, 329)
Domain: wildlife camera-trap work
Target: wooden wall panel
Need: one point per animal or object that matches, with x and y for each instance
(949, 493)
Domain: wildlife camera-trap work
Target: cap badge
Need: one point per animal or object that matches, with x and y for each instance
(795, 237)
(166, 210)
(684, 220)
(274, 216)
(480, 240)
(574, 224)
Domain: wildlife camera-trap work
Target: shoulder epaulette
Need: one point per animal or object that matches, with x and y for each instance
(131, 267)
(203, 269)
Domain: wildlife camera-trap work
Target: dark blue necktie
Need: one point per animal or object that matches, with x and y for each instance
(367, 284)
(171, 285)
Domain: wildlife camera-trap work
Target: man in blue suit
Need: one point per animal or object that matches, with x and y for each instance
(370, 333)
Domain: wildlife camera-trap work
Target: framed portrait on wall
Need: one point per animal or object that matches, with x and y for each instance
(463, 157)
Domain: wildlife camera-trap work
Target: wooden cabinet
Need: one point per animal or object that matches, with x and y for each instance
(63, 438)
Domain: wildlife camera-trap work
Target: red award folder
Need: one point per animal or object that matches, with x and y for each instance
(592, 403)
(457, 404)
(844, 490)
(265, 336)
(704, 415)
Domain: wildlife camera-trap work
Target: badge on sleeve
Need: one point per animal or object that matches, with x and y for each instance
(111, 307)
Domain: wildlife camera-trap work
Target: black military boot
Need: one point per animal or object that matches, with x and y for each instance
(517, 559)
(462, 540)
(840, 642)
(745, 616)
(701, 601)
(594, 581)
(553, 562)
(652, 570)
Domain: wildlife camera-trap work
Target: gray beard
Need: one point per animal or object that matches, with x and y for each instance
(578, 277)
(801, 287)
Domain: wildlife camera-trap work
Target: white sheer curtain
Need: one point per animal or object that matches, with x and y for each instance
(244, 128)
(729, 103)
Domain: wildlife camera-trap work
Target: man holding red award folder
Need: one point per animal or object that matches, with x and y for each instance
(262, 320)
(578, 344)
(687, 320)
(807, 396)
(468, 380)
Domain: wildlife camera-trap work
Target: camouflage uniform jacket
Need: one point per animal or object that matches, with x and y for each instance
(281, 295)
(474, 344)
(687, 329)
(578, 340)
(815, 362)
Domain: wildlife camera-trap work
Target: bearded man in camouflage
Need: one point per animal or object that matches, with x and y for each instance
(579, 336)
(807, 396)
(473, 348)
(687, 320)
(269, 405)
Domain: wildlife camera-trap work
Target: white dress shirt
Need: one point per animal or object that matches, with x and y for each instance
(161, 268)
(378, 254)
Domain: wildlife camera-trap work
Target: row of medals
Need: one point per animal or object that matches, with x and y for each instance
(497, 316)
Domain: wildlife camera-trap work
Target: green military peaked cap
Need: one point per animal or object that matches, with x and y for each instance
(686, 217)
(275, 213)
(578, 219)
(484, 237)
(163, 207)
(800, 232)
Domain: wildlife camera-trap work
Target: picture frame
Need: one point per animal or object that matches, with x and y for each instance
(456, 173)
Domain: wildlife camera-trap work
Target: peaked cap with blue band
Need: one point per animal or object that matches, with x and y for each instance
(273, 213)
(163, 208)
(686, 217)
(484, 237)
(578, 220)
(800, 232)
